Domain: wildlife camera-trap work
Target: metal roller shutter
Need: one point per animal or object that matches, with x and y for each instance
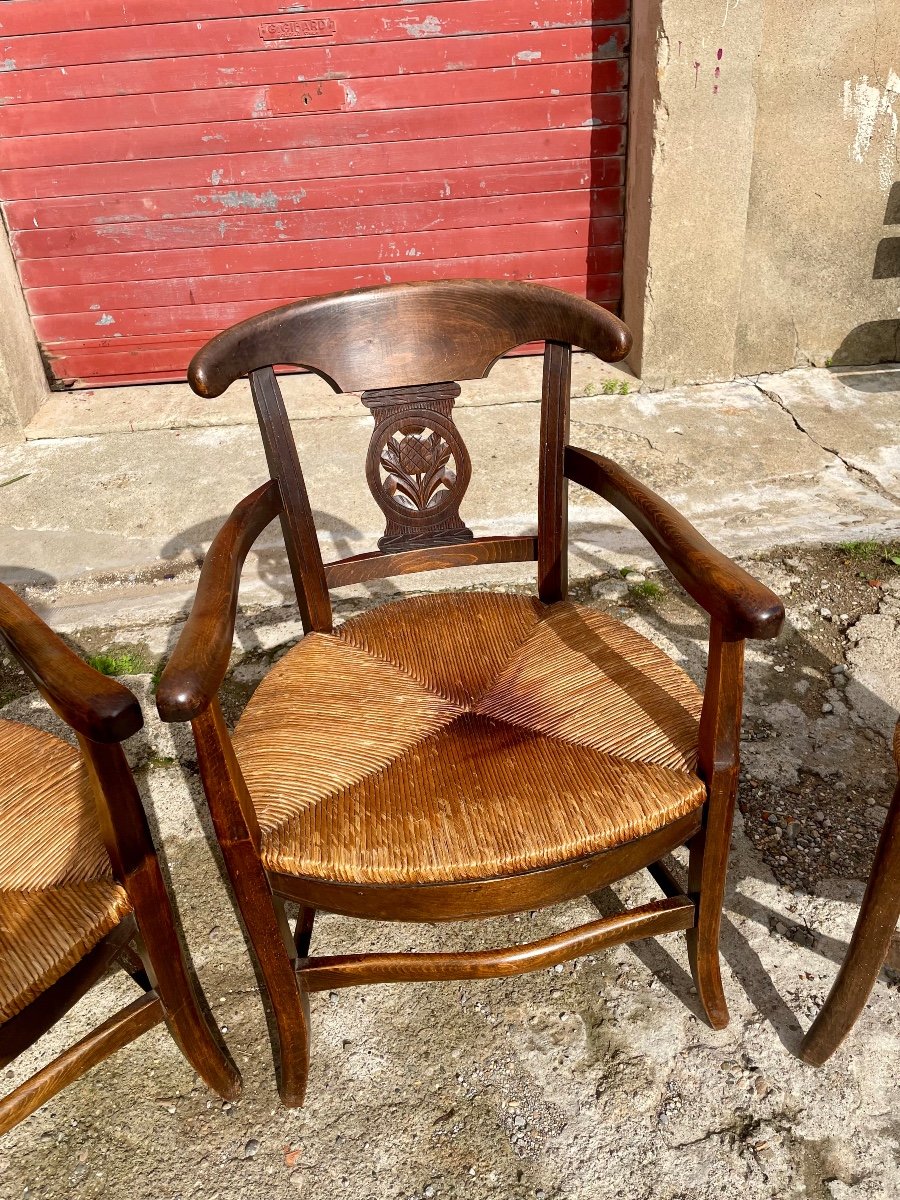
(167, 173)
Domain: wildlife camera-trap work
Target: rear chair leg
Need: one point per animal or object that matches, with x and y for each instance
(703, 939)
(303, 931)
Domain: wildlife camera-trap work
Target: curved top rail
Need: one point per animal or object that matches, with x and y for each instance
(401, 335)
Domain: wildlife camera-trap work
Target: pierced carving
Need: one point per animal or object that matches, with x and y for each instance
(417, 467)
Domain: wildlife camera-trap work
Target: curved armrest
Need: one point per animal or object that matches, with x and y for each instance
(746, 608)
(198, 664)
(94, 705)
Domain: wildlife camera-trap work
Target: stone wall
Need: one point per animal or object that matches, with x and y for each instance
(763, 224)
(23, 383)
(765, 210)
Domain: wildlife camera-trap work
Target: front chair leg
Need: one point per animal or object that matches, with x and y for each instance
(706, 885)
(720, 735)
(264, 919)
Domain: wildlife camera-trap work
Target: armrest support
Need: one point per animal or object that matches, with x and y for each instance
(94, 705)
(745, 607)
(194, 673)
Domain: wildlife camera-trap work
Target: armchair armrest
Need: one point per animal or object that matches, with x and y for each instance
(94, 705)
(194, 673)
(745, 607)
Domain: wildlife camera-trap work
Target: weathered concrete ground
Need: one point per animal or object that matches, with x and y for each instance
(596, 1081)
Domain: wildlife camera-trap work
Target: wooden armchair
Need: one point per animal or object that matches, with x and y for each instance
(80, 884)
(456, 755)
(869, 945)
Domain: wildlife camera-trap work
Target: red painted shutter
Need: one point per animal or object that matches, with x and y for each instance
(163, 176)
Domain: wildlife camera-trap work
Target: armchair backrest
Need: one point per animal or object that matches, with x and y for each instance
(406, 347)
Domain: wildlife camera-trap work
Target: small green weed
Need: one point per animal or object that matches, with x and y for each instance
(867, 550)
(648, 590)
(590, 389)
(122, 663)
(160, 760)
(615, 387)
(860, 549)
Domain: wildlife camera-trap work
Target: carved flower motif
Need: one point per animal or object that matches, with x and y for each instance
(417, 470)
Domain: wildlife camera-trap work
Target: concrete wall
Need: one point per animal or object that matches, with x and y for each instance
(757, 236)
(23, 383)
(763, 195)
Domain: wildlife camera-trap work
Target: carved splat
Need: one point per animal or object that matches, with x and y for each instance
(418, 467)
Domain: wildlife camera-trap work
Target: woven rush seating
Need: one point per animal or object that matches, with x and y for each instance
(58, 898)
(466, 736)
(453, 757)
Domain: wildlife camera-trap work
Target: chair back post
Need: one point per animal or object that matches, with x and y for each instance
(553, 581)
(405, 348)
(298, 526)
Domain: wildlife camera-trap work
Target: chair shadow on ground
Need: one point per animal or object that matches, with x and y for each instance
(688, 638)
(735, 949)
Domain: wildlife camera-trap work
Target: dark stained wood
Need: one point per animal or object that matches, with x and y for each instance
(489, 897)
(745, 607)
(162, 967)
(407, 334)
(426, 465)
(350, 970)
(666, 881)
(199, 661)
(376, 565)
(268, 934)
(129, 844)
(553, 509)
(303, 931)
(98, 707)
(297, 523)
(406, 347)
(23, 1030)
(719, 762)
(121, 1028)
(875, 926)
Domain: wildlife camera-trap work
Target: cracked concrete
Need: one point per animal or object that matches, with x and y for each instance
(599, 1081)
(83, 516)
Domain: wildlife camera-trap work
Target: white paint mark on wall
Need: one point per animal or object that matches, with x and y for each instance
(106, 319)
(350, 96)
(730, 6)
(528, 56)
(427, 28)
(875, 111)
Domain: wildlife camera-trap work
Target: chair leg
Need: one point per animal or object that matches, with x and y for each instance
(166, 963)
(869, 945)
(303, 931)
(133, 965)
(703, 953)
(719, 756)
(170, 975)
(265, 922)
(274, 952)
(707, 870)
